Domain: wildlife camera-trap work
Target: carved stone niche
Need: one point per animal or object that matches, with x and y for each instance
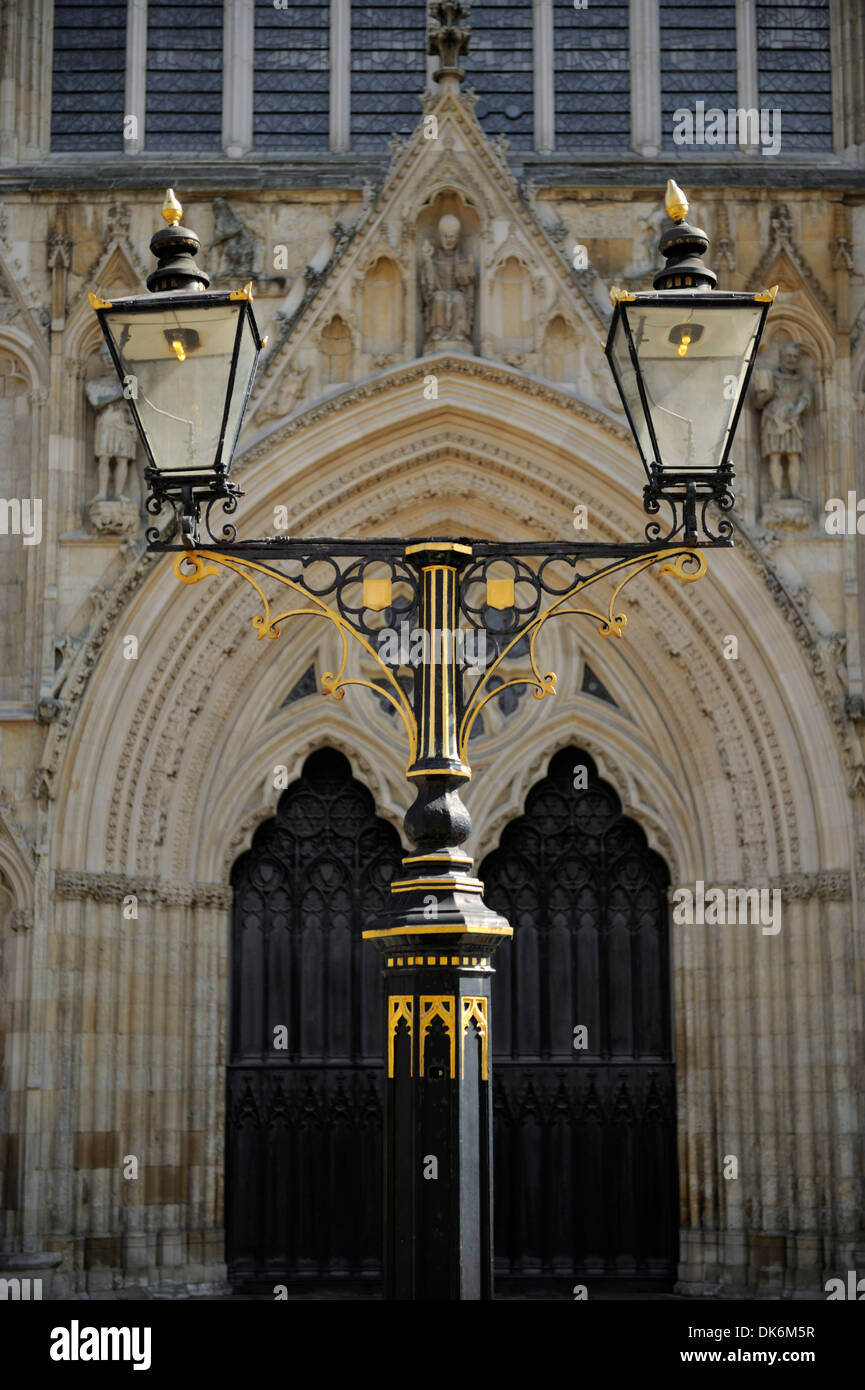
(782, 397)
(337, 347)
(447, 240)
(16, 424)
(563, 354)
(572, 359)
(112, 488)
(383, 311)
(516, 291)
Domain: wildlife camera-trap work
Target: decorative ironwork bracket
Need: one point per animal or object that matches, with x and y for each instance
(190, 566)
(350, 618)
(437, 904)
(673, 561)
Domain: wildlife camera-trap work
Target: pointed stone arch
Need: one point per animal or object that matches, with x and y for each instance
(158, 766)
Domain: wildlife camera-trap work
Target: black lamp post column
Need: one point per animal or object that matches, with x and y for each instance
(437, 947)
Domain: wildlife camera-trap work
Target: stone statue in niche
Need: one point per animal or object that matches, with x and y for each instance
(783, 394)
(447, 289)
(238, 250)
(112, 511)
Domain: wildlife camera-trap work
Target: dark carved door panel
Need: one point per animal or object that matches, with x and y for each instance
(303, 1153)
(585, 1140)
(585, 1163)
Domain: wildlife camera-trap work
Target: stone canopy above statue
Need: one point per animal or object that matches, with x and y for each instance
(449, 256)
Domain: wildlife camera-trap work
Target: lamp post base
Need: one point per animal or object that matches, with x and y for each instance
(438, 1127)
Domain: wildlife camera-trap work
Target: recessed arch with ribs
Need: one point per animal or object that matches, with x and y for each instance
(719, 745)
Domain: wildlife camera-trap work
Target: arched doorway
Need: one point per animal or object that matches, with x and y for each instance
(585, 1168)
(585, 1138)
(303, 1151)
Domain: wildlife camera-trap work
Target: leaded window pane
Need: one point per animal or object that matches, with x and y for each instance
(592, 75)
(292, 76)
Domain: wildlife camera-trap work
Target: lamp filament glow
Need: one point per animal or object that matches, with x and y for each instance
(179, 349)
(683, 346)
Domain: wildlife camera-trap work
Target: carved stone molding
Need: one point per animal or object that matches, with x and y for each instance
(786, 514)
(116, 223)
(475, 367)
(82, 667)
(13, 827)
(113, 888)
(824, 669)
(829, 885)
(59, 251)
(781, 239)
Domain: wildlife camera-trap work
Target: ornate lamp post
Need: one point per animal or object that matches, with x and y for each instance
(187, 361)
(682, 357)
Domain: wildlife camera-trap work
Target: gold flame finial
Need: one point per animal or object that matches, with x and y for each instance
(675, 201)
(171, 209)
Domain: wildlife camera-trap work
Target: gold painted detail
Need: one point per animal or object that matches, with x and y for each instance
(171, 208)
(466, 928)
(400, 1007)
(454, 858)
(451, 547)
(207, 562)
(245, 293)
(194, 565)
(377, 594)
(618, 296)
(96, 302)
(767, 296)
(408, 885)
(475, 1011)
(675, 201)
(611, 624)
(441, 1006)
(500, 593)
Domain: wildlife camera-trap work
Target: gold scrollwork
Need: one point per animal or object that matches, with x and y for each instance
(266, 624)
(399, 1007)
(475, 1010)
(611, 624)
(441, 1006)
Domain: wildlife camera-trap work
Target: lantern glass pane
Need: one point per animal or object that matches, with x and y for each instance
(693, 360)
(247, 356)
(176, 365)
